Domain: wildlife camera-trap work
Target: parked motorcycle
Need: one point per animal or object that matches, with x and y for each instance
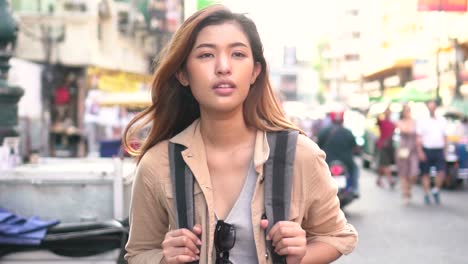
(454, 175)
(344, 181)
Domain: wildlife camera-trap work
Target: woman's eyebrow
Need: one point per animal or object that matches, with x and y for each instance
(210, 45)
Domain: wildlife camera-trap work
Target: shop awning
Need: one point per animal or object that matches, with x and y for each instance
(126, 99)
(389, 70)
(464, 43)
(412, 94)
(460, 106)
(108, 80)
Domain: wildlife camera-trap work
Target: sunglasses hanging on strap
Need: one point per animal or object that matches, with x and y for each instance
(278, 174)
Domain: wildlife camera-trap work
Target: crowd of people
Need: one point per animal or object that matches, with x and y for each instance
(421, 150)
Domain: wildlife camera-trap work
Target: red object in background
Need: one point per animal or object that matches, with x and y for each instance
(336, 170)
(337, 116)
(62, 95)
(442, 5)
(464, 76)
(386, 128)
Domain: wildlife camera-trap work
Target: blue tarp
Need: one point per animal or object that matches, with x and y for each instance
(16, 230)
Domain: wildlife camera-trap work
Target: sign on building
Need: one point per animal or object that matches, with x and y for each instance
(442, 5)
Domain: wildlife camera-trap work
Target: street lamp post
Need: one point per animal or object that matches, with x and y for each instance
(9, 95)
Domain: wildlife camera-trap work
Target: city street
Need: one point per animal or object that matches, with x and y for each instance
(390, 232)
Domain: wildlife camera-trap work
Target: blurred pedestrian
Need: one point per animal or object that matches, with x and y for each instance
(339, 144)
(212, 97)
(91, 121)
(62, 100)
(407, 161)
(385, 149)
(432, 142)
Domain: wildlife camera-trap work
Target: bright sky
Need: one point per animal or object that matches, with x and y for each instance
(294, 22)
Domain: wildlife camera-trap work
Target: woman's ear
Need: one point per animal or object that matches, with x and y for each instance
(182, 78)
(256, 71)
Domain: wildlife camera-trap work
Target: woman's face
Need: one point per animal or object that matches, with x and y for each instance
(406, 112)
(220, 68)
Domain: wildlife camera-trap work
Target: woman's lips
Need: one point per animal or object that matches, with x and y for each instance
(224, 88)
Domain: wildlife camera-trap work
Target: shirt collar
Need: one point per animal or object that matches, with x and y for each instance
(191, 138)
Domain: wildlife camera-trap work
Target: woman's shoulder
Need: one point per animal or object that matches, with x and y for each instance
(154, 162)
(157, 151)
(306, 147)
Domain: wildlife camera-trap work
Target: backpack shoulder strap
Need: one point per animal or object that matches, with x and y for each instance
(182, 187)
(278, 173)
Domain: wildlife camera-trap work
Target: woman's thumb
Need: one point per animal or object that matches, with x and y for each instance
(197, 229)
(264, 224)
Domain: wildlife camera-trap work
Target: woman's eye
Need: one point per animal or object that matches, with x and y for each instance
(205, 55)
(238, 54)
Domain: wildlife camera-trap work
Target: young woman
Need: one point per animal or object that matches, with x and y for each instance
(407, 161)
(211, 93)
(385, 150)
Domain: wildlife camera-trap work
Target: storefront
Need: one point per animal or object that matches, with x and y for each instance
(113, 98)
(63, 88)
(395, 75)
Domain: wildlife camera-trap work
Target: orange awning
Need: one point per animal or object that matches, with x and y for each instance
(389, 70)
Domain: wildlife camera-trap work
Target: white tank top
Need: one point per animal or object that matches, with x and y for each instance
(244, 250)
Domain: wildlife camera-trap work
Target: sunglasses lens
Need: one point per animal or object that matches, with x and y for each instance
(223, 261)
(225, 236)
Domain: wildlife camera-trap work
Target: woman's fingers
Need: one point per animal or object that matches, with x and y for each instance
(291, 251)
(181, 239)
(288, 238)
(181, 259)
(188, 234)
(184, 232)
(181, 246)
(264, 224)
(197, 229)
(290, 242)
(285, 229)
(182, 251)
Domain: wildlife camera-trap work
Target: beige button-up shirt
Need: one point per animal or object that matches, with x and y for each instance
(314, 201)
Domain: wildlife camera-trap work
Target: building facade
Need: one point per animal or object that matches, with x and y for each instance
(83, 45)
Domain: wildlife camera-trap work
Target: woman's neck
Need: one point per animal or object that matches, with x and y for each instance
(225, 131)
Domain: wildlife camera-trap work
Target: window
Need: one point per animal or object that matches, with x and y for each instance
(123, 21)
(352, 57)
(31, 6)
(75, 6)
(352, 12)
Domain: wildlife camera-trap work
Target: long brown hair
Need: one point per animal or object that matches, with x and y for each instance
(174, 108)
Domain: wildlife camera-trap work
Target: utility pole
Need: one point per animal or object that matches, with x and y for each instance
(458, 81)
(9, 95)
(48, 41)
(438, 99)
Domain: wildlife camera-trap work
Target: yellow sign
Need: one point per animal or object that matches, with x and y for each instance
(117, 81)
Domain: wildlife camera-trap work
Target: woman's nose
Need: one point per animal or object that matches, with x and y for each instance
(223, 66)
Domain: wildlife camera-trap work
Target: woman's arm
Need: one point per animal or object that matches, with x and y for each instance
(148, 217)
(320, 253)
(327, 231)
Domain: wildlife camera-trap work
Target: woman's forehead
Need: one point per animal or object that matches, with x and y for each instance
(221, 34)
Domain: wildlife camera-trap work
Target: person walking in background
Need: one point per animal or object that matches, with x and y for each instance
(339, 143)
(91, 121)
(407, 161)
(385, 149)
(432, 142)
